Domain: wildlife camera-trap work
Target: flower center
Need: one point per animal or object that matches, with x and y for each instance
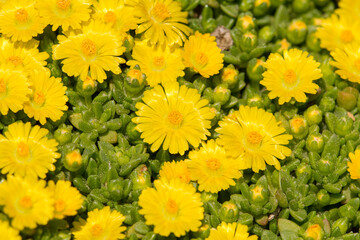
(201, 58)
(2, 86)
(88, 47)
(159, 61)
(254, 137)
(59, 205)
(15, 60)
(96, 230)
(160, 12)
(39, 97)
(63, 4)
(110, 17)
(185, 178)
(213, 164)
(21, 15)
(290, 76)
(347, 36)
(175, 117)
(23, 149)
(26, 202)
(357, 64)
(171, 207)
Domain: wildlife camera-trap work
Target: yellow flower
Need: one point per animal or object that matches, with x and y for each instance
(100, 224)
(347, 61)
(161, 21)
(20, 20)
(64, 13)
(26, 201)
(354, 164)
(172, 170)
(14, 89)
(349, 7)
(172, 207)
(213, 170)
(338, 31)
(2, 2)
(159, 64)
(173, 116)
(26, 151)
(314, 231)
(231, 231)
(7, 232)
(22, 57)
(203, 55)
(90, 53)
(254, 137)
(116, 14)
(48, 99)
(67, 199)
(291, 76)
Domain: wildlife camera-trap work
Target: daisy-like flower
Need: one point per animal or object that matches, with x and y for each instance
(160, 64)
(91, 53)
(338, 31)
(291, 76)
(347, 61)
(230, 231)
(64, 13)
(14, 89)
(24, 57)
(100, 224)
(26, 151)
(7, 232)
(354, 164)
(20, 20)
(172, 170)
(173, 116)
(26, 201)
(2, 2)
(161, 21)
(202, 54)
(116, 14)
(172, 207)
(67, 199)
(254, 137)
(349, 7)
(48, 99)
(212, 168)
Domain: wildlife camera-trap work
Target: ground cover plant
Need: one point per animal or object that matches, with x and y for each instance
(179, 119)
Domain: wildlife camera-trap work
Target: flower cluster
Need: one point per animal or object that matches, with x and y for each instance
(344, 47)
(26, 154)
(157, 119)
(26, 84)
